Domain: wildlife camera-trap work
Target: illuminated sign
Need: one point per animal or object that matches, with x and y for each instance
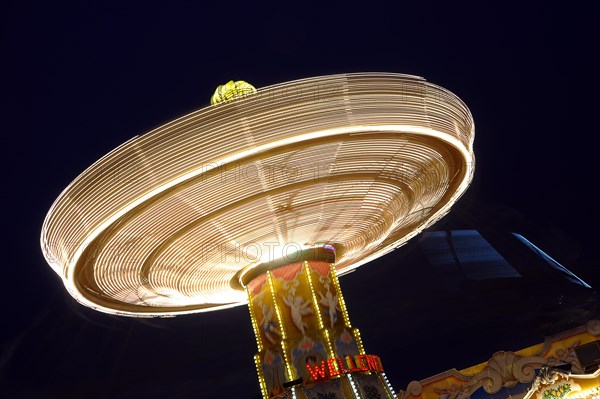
(333, 367)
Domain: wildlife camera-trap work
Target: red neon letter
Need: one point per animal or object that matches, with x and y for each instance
(362, 362)
(341, 363)
(332, 368)
(371, 362)
(350, 363)
(317, 373)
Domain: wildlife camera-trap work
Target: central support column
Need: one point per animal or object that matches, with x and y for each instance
(307, 347)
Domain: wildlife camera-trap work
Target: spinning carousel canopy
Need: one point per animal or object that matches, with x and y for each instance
(172, 220)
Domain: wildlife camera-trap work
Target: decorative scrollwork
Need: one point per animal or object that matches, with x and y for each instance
(593, 327)
(506, 369)
(414, 388)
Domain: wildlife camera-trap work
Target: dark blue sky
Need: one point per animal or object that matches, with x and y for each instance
(81, 78)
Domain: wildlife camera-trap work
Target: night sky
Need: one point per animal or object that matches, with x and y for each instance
(81, 78)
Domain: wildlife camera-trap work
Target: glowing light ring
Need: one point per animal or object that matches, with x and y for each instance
(360, 161)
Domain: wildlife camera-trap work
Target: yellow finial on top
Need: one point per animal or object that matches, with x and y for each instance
(230, 91)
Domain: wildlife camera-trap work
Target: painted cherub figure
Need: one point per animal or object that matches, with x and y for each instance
(299, 308)
(331, 303)
(453, 392)
(267, 324)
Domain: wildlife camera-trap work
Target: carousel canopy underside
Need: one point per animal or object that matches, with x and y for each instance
(170, 221)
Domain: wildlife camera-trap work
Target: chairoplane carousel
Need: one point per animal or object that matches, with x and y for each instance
(264, 198)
